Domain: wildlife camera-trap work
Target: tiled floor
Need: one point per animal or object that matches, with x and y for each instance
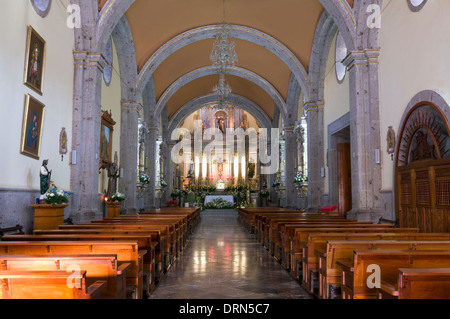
(224, 261)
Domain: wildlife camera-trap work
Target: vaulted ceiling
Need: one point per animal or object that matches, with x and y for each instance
(291, 22)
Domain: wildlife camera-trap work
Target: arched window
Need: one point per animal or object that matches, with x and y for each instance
(42, 7)
(416, 5)
(340, 54)
(108, 55)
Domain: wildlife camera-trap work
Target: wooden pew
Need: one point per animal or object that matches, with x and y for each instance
(162, 250)
(301, 236)
(172, 231)
(97, 267)
(330, 274)
(126, 251)
(418, 283)
(389, 262)
(144, 241)
(310, 262)
(152, 263)
(47, 285)
(281, 241)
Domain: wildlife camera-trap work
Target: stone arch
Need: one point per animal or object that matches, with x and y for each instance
(237, 32)
(237, 100)
(427, 97)
(246, 74)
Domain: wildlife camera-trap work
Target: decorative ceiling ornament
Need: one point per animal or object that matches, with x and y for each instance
(222, 89)
(223, 53)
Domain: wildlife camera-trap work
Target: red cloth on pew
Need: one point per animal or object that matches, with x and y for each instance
(329, 208)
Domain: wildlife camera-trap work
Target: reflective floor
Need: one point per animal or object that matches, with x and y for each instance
(224, 261)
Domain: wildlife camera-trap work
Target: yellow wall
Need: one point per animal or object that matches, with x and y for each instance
(19, 171)
(111, 97)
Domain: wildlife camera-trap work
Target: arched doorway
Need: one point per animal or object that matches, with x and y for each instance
(423, 169)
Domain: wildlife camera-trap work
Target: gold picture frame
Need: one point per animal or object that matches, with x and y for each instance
(35, 61)
(33, 120)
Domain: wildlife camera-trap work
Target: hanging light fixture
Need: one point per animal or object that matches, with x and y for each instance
(223, 55)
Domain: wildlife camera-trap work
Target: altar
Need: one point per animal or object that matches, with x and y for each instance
(211, 198)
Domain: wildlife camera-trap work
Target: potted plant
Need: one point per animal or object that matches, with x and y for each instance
(144, 179)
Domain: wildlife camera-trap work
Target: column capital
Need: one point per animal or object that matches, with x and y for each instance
(131, 106)
(313, 106)
(90, 60)
(361, 58)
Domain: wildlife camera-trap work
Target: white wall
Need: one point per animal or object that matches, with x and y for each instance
(415, 50)
(20, 171)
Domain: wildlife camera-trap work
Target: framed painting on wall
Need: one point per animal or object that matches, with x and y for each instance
(35, 61)
(106, 136)
(33, 120)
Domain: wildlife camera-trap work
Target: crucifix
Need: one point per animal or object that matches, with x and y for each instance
(220, 163)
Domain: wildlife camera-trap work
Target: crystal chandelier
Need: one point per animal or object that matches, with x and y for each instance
(223, 53)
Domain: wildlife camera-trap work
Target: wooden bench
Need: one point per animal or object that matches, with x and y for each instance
(389, 262)
(152, 259)
(144, 241)
(310, 262)
(284, 243)
(18, 229)
(97, 267)
(418, 283)
(48, 285)
(126, 251)
(162, 250)
(330, 274)
(301, 236)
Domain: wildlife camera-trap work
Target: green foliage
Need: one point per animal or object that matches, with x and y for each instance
(55, 196)
(219, 203)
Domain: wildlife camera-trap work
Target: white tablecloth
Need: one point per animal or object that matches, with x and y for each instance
(227, 198)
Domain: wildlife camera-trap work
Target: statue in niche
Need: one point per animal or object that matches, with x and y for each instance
(422, 150)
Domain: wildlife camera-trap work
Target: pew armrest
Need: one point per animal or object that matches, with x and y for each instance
(123, 268)
(345, 264)
(389, 289)
(321, 253)
(94, 291)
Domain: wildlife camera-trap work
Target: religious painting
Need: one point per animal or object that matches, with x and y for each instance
(35, 60)
(33, 120)
(106, 135)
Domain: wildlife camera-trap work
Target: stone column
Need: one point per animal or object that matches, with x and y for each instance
(152, 153)
(364, 134)
(86, 202)
(315, 129)
(128, 153)
(290, 166)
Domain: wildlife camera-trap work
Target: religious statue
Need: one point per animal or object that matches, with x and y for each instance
(221, 125)
(45, 176)
(113, 170)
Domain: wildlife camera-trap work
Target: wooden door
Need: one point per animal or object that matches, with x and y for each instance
(344, 178)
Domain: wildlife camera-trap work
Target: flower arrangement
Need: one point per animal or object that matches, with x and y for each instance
(276, 184)
(163, 183)
(300, 179)
(176, 193)
(55, 196)
(219, 203)
(117, 197)
(264, 193)
(144, 179)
